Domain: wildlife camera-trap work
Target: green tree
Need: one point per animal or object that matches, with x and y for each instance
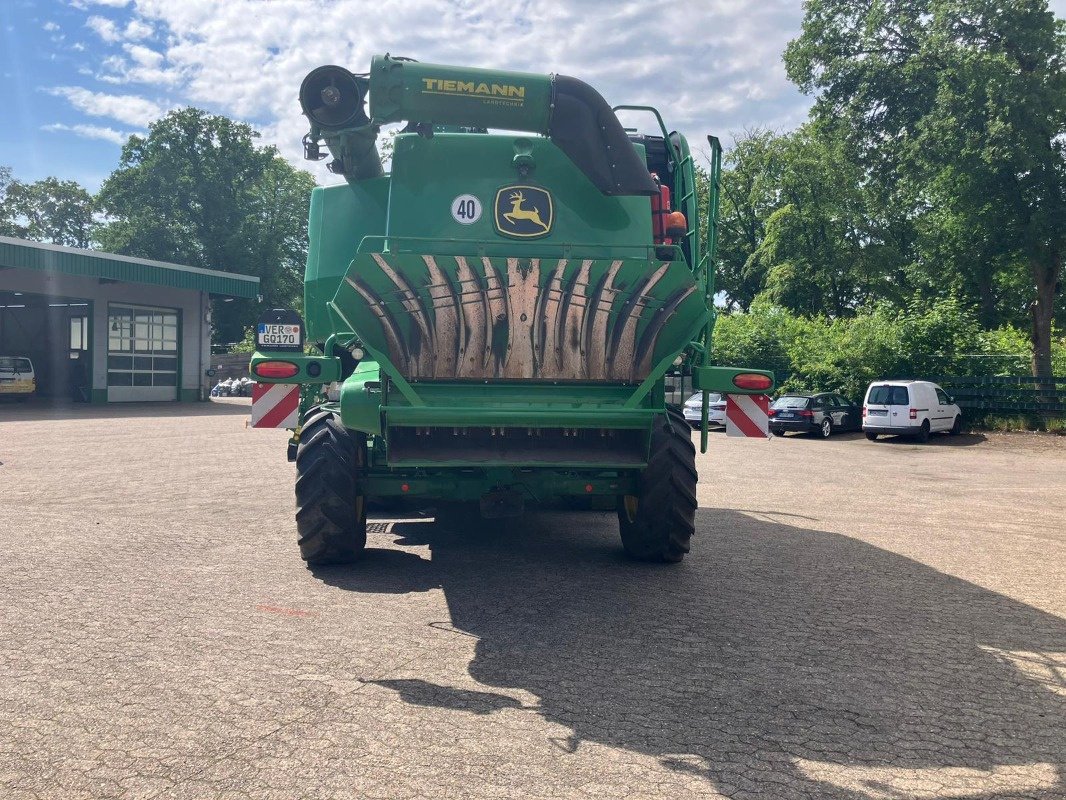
(197, 190)
(7, 220)
(49, 210)
(751, 192)
(958, 107)
(827, 248)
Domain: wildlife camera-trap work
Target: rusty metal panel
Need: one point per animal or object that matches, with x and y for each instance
(453, 317)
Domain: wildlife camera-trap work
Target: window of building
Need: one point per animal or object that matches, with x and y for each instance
(79, 333)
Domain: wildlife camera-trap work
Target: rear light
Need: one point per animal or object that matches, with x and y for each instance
(752, 380)
(771, 412)
(864, 411)
(914, 413)
(275, 369)
(806, 413)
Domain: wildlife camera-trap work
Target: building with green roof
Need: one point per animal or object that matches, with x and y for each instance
(101, 327)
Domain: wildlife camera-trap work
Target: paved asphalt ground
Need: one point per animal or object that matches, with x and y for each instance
(856, 620)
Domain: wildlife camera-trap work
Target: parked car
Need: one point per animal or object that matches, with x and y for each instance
(909, 408)
(822, 413)
(17, 378)
(693, 409)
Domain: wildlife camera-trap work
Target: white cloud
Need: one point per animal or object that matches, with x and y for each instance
(88, 132)
(104, 28)
(710, 66)
(127, 108)
(137, 29)
(84, 4)
(50, 26)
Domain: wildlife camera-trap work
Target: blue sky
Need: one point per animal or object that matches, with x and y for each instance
(77, 76)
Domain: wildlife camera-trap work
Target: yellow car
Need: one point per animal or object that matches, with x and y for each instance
(16, 377)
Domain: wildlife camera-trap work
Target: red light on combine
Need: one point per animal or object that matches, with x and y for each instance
(275, 369)
(588, 488)
(752, 380)
(405, 487)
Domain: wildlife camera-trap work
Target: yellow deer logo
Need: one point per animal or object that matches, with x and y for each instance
(517, 212)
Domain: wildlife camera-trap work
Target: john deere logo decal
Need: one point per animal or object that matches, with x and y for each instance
(524, 212)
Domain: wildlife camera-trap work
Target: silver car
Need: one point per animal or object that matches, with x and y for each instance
(693, 409)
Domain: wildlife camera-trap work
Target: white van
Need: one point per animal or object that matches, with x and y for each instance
(909, 408)
(17, 378)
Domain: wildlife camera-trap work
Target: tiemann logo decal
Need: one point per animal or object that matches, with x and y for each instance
(524, 212)
(494, 92)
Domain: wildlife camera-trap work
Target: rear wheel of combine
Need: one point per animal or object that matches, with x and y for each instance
(330, 510)
(658, 522)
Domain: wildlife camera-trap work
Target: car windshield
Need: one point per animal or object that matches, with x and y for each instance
(8, 364)
(791, 402)
(889, 396)
(697, 399)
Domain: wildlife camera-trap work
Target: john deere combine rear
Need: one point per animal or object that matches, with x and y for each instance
(499, 312)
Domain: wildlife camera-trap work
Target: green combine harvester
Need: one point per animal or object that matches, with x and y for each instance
(495, 316)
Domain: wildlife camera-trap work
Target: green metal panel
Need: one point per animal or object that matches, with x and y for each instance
(339, 218)
(22, 254)
(428, 174)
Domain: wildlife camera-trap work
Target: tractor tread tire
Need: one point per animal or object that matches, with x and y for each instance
(330, 514)
(666, 508)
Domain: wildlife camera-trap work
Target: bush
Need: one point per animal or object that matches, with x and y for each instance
(845, 355)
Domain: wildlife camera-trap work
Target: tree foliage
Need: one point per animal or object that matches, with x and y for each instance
(956, 108)
(919, 339)
(197, 190)
(48, 210)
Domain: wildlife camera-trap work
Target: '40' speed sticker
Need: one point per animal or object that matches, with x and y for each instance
(466, 209)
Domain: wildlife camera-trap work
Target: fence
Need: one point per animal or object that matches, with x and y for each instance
(1008, 394)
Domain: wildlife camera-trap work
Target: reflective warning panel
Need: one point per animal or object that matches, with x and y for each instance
(747, 415)
(275, 405)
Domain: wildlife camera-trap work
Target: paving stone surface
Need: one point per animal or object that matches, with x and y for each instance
(856, 620)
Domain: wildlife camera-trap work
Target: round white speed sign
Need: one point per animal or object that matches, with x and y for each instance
(466, 209)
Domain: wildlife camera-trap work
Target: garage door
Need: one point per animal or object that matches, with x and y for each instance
(142, 353)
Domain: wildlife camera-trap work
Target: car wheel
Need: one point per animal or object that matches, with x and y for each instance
(777, 433)
(923, 432)
(871, 436)
(827, 428)
(956, 427)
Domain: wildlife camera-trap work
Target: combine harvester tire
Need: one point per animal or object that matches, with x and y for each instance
(657, 523)
(330, 509)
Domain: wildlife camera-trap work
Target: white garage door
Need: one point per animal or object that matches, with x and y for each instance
(142, 353)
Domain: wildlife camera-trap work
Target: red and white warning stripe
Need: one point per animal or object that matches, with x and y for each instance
(747, 415)
(275, 405)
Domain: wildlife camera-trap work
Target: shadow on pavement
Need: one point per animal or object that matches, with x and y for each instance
(776, 661)
(44, 409)
(423, 693)
(938, 440)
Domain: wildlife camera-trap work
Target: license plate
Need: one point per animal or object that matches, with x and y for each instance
(878, 412)
(270, 334)
(786, 416)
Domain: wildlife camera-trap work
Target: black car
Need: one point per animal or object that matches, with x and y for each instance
(822, 413)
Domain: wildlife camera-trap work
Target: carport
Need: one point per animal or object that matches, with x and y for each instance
(102, 327)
